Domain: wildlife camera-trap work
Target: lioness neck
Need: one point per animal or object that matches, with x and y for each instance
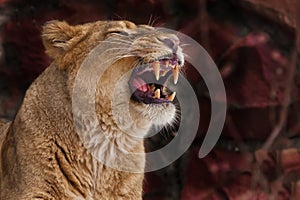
(46, 119)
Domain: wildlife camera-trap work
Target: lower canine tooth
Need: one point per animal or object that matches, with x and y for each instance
(157, 94)
(176, 73)
(156, 69)
(172, 96)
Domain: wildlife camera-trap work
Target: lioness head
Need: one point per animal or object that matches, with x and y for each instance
(153, 58)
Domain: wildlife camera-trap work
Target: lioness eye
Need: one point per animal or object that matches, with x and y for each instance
(119, 33)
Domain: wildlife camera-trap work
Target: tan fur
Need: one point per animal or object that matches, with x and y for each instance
(42, 156)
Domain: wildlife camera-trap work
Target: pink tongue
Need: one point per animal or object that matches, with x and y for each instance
(140, 84)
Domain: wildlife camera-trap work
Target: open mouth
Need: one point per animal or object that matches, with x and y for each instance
(147, 82)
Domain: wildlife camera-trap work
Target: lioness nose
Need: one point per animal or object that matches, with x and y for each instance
(172, 43)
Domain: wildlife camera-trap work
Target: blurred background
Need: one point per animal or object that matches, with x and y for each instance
(255, 44)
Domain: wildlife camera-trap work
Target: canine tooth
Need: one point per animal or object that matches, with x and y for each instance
(156, 69)
(157, 94)
(172, 96)
(176, 73)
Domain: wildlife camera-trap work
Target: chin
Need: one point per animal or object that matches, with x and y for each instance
(160, 114)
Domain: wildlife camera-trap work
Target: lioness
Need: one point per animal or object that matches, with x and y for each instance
(42, 155)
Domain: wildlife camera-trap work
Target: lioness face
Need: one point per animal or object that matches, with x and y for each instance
(152, 57)
(158, 59)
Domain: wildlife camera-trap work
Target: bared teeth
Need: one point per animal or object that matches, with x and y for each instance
(176, 74)
(156, 69)
(172, 96)
(157, 94)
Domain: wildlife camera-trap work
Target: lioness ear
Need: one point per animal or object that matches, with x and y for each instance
(58, 37)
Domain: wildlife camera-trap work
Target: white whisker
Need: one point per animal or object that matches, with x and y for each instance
(126, 40)
(186, 55)
(120, 50)
(114, 59)
(116, 42)
(184, 44)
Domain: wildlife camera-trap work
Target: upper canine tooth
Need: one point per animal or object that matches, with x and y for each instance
(157, 94)
(172, 96)
(176, 73)
(156, 69)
